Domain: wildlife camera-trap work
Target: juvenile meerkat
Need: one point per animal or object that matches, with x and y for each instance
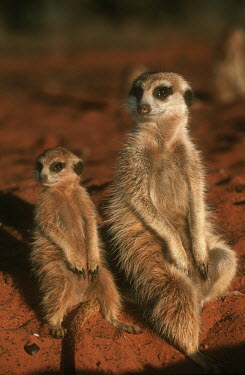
(158, 219)
(67, 256)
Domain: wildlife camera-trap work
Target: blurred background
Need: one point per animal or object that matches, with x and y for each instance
(66, 26)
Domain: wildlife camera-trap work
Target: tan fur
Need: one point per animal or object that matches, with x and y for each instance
(67, 257)
(158, 218)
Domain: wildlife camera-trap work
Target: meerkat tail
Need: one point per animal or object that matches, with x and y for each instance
(85, 311)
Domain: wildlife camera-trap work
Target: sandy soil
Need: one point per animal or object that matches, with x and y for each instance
(76, 102)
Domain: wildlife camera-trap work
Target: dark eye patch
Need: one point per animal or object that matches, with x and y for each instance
(136, 91)
(78, 167)
(57, 167)
(188, 97)
(162, 92)
(39, 166)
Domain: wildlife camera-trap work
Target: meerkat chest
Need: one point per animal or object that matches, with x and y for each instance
(70, 216)
(169, 186)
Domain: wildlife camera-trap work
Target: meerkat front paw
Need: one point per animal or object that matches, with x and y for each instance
(78, 267)
(184, 268)
(79, 272)
(202, 266)
(179, 257)
(200, 253)
(203, 269)
(185, 271)
(93, 268)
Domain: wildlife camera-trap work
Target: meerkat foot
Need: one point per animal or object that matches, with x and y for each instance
(58, 332)
(209, 365)
(130, 328)
(233, 293)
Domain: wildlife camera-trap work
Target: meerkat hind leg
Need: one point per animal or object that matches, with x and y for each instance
(222, 268)
(55, 323)
(130, 328)
(57, 299)
(110, 303)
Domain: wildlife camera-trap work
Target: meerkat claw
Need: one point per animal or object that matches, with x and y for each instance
(58, 333)
(79, 272)
(93, 274)
(203, 269)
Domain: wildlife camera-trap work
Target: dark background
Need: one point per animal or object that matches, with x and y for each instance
(65, 26)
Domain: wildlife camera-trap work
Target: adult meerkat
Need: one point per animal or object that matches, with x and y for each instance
(158, 218)
(67, 257)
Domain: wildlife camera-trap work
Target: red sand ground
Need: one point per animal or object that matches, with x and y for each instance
(75, 102)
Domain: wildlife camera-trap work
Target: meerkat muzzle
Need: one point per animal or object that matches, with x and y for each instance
(43, 178)
(143, 109)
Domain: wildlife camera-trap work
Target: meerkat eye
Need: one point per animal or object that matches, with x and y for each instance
(39, 166)
(162, 92)
(136, 91)
(57, 167)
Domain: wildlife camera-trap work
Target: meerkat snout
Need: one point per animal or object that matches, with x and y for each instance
(144, 108)
(43, 178)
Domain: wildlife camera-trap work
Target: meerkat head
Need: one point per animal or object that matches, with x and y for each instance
(156, 94)
(57, 165)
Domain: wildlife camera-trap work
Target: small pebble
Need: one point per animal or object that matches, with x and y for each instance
(31, 349)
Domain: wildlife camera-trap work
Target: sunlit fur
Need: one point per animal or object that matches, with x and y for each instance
(159, 222)
(67, 256)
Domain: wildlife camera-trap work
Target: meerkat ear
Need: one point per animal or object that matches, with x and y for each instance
(78, 167)
(188, 97)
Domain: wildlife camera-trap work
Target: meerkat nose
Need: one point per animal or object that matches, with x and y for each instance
(143, 109)
(43, 178)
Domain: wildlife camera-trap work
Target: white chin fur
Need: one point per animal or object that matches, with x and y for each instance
(49, 183)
